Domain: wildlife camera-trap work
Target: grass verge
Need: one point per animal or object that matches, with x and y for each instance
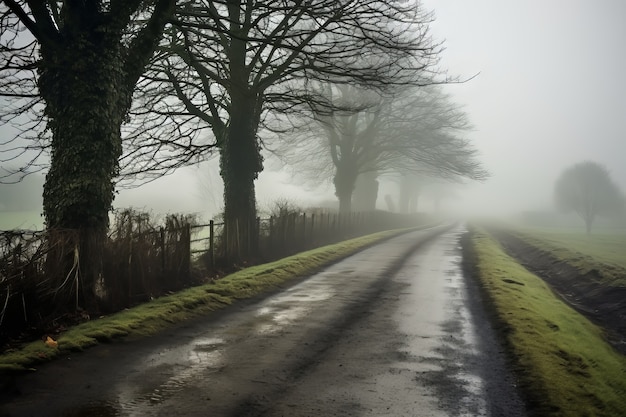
(565, 366)
(149, 318)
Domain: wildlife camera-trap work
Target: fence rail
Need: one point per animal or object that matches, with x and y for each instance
(278, 236)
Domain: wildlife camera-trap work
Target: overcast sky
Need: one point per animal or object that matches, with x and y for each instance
(551, 91)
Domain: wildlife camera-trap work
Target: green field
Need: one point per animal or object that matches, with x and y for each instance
(29, 220)
(604, 252)
(564, 365)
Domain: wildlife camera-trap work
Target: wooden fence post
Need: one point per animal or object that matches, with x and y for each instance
(258, 236)
(225, 243)
(187, 251)
(162, 236)
(238, 242)
(212, 243)
(271, 236)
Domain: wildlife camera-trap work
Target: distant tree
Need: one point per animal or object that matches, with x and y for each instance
(417, 131)
(414, 186)
(74, 65)
(410, 186)
(586, 188)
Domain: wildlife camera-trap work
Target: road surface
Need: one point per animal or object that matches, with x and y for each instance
(395, 330)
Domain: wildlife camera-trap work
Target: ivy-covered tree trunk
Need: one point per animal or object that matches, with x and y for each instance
(240, 151)
(240, 163)
(84, 87)
(87, 74)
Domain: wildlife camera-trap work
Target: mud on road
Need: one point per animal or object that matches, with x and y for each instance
(395, 330)
(603, 305)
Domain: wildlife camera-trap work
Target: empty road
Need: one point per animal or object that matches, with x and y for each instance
(395, 330)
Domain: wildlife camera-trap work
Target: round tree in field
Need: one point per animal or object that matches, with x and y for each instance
(586, 188)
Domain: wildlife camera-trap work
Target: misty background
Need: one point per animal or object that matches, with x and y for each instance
(549, 91)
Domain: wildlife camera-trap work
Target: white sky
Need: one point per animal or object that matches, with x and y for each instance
(551, 92)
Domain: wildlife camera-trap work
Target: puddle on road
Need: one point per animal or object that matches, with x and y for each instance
(176, 368)
(283, 309)
(305, 292)
(275, 319)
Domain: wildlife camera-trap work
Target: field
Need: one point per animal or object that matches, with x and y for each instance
(564, 362)
(29, 220)
(604, 251)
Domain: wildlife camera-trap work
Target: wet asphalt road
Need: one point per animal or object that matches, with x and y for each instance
(395, 330)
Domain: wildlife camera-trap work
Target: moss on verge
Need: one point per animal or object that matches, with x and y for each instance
(565, 366)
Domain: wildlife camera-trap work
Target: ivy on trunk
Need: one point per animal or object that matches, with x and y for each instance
(90, 56)
(240, 164)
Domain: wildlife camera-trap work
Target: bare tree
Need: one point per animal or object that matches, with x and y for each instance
(75, 65)
(586, 188)
(416, 132)
(232, 66)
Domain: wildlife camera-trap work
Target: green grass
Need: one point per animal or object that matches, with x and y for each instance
(603, 252)
(30, 220)
(152, 317)
(564, 364)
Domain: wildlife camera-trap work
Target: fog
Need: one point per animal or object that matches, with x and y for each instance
(549, 91)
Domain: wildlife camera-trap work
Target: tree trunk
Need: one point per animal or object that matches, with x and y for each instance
(83, 85)
(365, 192)
(240, 152)
(240, 163)
(345, 202)
(345, 181)
(407, 203)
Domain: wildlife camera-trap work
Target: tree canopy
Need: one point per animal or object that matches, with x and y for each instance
(587, 189)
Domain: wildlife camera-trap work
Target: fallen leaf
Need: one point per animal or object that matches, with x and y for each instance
(50, 342)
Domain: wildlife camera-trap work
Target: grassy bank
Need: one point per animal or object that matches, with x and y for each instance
(565, 366)
(160, 313)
